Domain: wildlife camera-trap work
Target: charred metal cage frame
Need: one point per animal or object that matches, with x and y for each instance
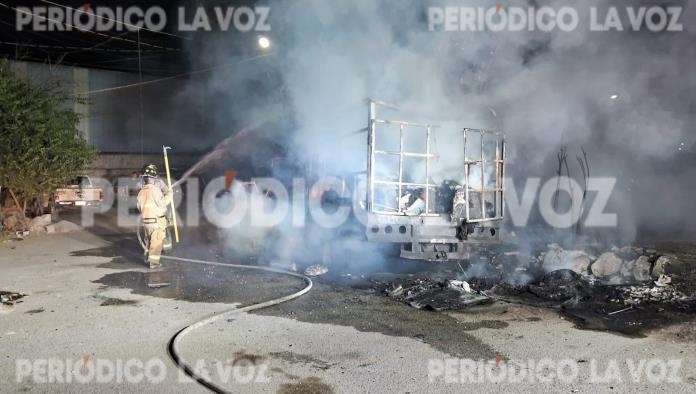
(434, 235)
(498, 161)
(374, 121)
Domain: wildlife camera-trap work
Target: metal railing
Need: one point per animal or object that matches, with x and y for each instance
(400, 185)
(499, 189)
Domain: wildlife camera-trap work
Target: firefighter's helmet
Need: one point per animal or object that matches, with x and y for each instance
(150, 170)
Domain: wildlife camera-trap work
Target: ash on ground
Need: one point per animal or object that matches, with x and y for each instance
(429, 294)
(628, 290)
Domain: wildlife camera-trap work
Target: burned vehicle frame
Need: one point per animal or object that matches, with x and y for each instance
(459, 182)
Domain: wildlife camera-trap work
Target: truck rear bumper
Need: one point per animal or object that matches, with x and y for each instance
(78, 203)
(433, 238)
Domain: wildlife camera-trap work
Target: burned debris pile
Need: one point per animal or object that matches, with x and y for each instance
(435, 295)
(10, 298)
(623, 288)
(19, 227)
(560, 285)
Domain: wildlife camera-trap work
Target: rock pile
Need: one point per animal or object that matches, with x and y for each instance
(12, 220)
(624, 265)
(38, 224)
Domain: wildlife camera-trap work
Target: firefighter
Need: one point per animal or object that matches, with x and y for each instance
(152, 203)
(158, 181)
(152, 169)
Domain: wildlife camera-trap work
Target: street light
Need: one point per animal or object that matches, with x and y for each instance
(264, 42)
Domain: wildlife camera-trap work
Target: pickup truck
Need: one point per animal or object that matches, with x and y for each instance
(79, 193)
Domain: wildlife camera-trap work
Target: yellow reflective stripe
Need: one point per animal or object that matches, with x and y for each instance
(149, 205)
(156, 258)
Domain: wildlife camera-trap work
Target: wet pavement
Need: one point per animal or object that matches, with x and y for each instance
(345, 333)
(195, 283)
(329, 338)
(355, 300)
(333, 300)
(367, 311)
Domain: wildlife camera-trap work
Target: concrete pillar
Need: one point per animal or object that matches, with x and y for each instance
(80, 85)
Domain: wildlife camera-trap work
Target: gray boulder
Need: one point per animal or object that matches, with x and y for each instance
(38, 224)
(606, 265)
(63, 226)
(641, 269)
(665, 264)
(627, 253)
(580, 262)
(557, 258)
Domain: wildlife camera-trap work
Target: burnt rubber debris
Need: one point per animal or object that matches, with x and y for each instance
(627, 290)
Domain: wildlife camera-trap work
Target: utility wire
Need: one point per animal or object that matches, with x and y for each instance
(78, 49)
(44, 36)
(69, 49)
(93, 47)
(115, 20)
(132, 85)
(150, 54)
(86, 30)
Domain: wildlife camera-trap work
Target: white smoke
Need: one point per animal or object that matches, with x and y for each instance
(542, 89)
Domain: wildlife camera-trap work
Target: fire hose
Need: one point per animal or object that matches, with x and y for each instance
(175, 341)
(179, 336)
(173, 346)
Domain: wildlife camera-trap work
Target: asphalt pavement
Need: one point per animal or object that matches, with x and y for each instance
(92, 322)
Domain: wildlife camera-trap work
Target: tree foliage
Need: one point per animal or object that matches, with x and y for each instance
(40, 147)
